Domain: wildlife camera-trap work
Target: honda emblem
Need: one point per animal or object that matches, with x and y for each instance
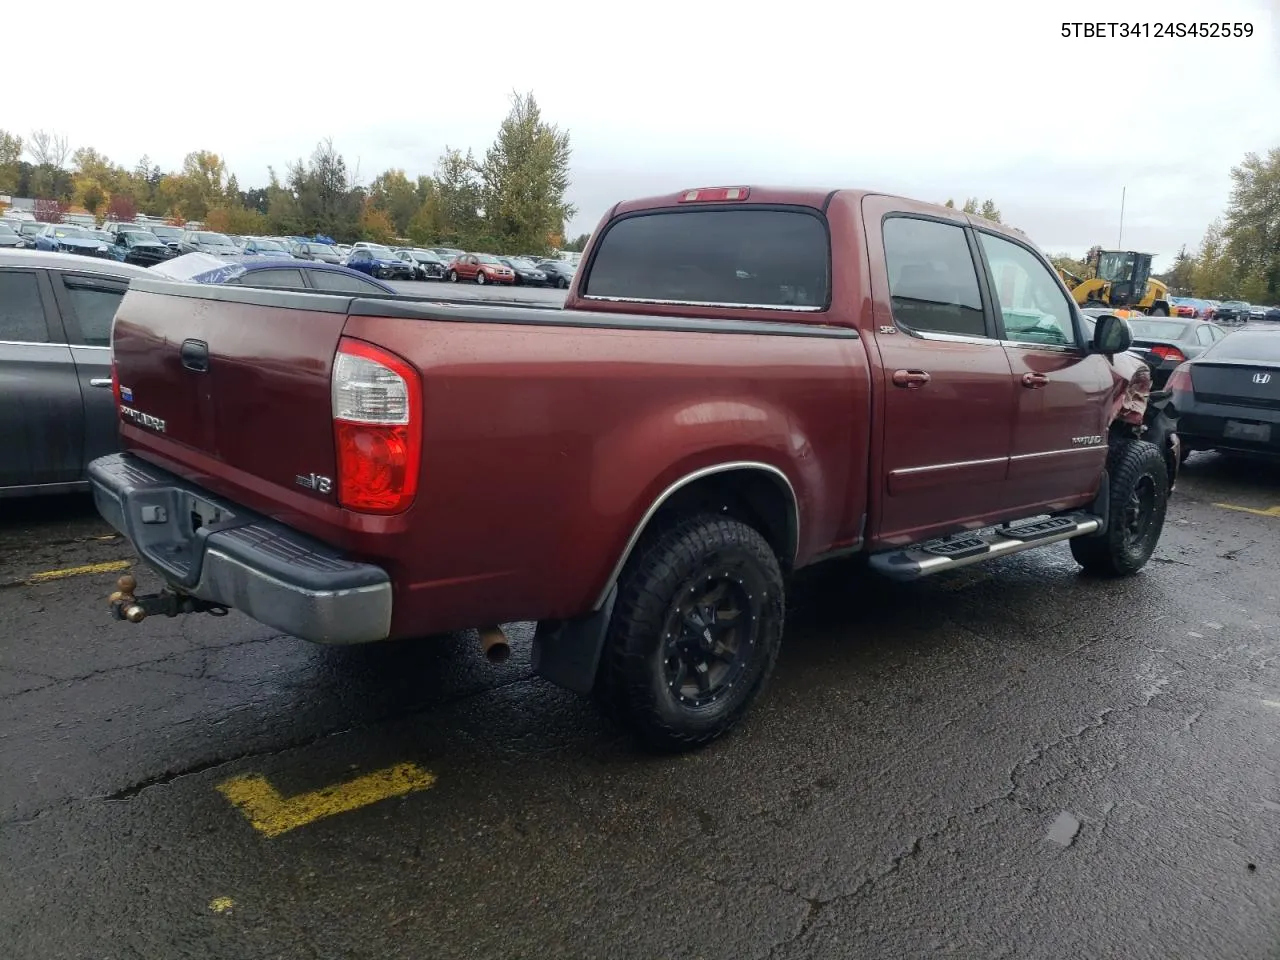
(1262, 378)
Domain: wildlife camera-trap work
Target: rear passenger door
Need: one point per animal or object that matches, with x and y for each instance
(89, 303)
(41, 419)
(1062, 406)
(946, 392)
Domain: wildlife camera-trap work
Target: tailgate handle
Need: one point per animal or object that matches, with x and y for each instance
(195, 355)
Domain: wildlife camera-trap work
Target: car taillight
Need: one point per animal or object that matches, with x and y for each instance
(1180, 379)
(1169, 353)
(377, 428)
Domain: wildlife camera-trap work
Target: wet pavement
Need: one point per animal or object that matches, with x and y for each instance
(1010, 760)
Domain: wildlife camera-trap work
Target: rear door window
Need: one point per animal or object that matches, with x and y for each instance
(272, 278)
(742, 257)
(93, 307)
(21, 309)
(331, 280)
(933, 283)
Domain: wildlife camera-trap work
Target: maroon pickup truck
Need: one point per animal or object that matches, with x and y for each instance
(742, 382)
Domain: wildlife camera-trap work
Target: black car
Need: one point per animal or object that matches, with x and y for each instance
(1165, 343)
(1231, 311)
(527, 272)
(320, 252)
(426, 265)
(141, 248)
(1228, 398)
(1272, 314)
(559, 272)
(56, 407)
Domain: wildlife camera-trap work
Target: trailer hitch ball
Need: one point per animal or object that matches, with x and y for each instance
(134, 613)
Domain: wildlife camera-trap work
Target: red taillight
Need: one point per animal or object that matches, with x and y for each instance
(1169, 353)
(1180, 379)
(714, 194)
(377, 428)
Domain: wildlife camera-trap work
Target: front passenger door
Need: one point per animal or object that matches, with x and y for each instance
(1063, 394)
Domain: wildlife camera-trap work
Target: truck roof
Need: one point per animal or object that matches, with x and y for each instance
(816, 197)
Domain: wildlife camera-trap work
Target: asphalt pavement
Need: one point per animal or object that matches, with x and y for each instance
(1013, 760)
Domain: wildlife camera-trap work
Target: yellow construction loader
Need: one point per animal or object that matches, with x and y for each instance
(1120, 280)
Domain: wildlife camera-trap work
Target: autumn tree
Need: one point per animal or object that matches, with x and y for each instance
(375, 224)
(1213, 275)
(234, 218)
(48, 210)
(524, 177)
(122, 208)
(90, 194)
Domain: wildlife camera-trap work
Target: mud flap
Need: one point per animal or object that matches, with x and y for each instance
(1101, 507)
(567, 652)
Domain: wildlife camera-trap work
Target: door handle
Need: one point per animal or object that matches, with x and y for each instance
(1034, 381)
(100, 382)
(911, 379)
(195, 356)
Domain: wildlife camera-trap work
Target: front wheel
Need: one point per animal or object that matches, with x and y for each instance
(453, 276)
(1139, 491)
(694, 633)
(480, 278)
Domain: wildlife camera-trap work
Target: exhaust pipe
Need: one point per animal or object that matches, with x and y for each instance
(493, 642)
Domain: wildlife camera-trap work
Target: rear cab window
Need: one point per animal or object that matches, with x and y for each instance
(744, 257)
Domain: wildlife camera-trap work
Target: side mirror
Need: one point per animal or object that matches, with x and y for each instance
(1111, 335)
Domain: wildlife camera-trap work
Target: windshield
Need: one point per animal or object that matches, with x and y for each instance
(213, 239)
(268, 245)
(5, 231)
(1115, 267)
(141, 236)
(169, 233)
(485, 258)
(317, 248)
(1159, 329)
(522, 263)
(380, 253)
(73, 232)
(1237, 304)
(422, 256)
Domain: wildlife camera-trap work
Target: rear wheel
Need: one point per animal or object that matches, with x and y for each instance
(562, 283)
(1139, 499)
(694, 634)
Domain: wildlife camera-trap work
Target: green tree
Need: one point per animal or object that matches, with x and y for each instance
(394, 194)
(524, 177)
(985, 208)
(230, 217)
(459, 199)
(1178, 278)
(326, 197)
(90, 194)
(10, 158)
(578, 243)
(1214, 273)
(1252, 227)
(200, 185)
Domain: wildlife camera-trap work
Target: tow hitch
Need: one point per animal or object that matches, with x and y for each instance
(169, 602)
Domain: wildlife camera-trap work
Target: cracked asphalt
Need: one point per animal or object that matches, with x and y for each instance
(892, 796)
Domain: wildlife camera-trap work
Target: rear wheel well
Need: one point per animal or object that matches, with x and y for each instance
(752, 495)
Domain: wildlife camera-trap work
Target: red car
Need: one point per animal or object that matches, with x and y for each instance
(481, 268)
(742, 382)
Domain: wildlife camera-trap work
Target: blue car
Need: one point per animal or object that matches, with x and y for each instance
(68, 238)
(281, 272)
(380, 262)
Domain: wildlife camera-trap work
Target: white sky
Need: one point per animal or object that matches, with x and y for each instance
(929, 98)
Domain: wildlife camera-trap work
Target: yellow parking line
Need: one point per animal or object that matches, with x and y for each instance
(273, 814)
(46, 575)
(1269, 512)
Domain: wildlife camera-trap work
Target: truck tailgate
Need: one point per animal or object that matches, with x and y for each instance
(240, 383)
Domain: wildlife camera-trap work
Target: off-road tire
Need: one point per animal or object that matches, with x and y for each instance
(1139, 480)
(633, 685)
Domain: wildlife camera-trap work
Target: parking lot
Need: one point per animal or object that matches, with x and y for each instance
(1010, 760)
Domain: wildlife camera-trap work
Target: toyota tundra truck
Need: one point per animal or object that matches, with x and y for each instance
(742, 382)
